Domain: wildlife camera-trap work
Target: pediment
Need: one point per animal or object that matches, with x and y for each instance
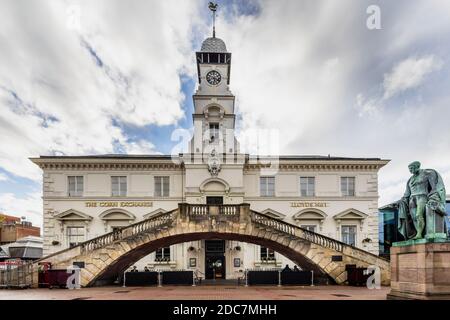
(274, 214)
(310, 214)
(351, 214)
(154, 213)
(73, 215)
(117, 215)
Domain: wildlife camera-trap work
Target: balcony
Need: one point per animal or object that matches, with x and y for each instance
(228, 212)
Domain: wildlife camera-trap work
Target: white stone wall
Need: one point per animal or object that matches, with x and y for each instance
(236, 184)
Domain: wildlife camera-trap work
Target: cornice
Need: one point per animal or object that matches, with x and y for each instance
(318, 165)
(105, 164)
(168, 163)
(106, 198)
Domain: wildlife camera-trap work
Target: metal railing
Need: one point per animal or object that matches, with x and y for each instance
(16, 274)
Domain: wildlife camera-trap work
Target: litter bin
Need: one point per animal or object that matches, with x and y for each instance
(356, 276)
(57, 278)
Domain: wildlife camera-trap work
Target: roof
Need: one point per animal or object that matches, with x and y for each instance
(112, 156)
(29, 247)
(213, 44)
(169, 157)
(29, 241)
(6, 218)
(3, 253)
(318, 157)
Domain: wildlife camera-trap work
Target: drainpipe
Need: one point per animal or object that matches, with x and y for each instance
(183, 174)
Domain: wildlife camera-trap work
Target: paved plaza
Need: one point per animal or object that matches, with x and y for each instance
(200, 293)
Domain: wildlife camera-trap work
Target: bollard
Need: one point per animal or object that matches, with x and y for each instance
(159, 279)
(279, 278)
(312, 278)
(246, 277)
(124, 278)
(193, 279)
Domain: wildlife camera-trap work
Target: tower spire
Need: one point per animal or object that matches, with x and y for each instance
(213, 7)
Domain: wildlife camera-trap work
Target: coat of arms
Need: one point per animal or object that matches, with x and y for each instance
(213, 163)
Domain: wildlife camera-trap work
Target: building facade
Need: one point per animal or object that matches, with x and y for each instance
(14, 228)
(87, 196)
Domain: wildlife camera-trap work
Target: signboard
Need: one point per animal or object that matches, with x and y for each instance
(305, 204)
(118, 204)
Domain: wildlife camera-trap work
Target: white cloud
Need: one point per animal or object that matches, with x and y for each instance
(63, 89)
(3, 177)
(297, 67)
(29, 206)
(409, 74)
(140, 147)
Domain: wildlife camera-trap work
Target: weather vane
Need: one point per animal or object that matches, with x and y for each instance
(213, 7)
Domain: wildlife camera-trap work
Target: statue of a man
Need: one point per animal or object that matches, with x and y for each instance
(422, 208)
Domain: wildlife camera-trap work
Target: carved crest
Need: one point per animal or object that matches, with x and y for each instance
(213, 163)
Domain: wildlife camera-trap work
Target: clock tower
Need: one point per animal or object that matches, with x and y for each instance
(214, 117)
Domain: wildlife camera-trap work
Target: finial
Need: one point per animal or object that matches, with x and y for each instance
(213, 7)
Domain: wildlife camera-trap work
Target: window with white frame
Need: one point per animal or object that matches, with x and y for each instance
(267, 254)
(349, 235)
(162, 254)
(119, 186)
(74, 235)
(348, 186)
(76, 186)
(309, 227)
(307, 186)
(214, 132)
(267, 186)
(162, 186)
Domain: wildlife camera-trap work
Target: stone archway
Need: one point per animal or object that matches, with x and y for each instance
(109, 274)
(107, 256)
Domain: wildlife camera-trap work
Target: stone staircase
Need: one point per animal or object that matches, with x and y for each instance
(107, 256)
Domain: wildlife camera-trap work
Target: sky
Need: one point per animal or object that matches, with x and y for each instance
(99, 77)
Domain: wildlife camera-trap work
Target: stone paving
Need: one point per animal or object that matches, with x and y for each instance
(200, 293)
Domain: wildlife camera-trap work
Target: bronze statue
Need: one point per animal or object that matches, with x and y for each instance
(421, 211)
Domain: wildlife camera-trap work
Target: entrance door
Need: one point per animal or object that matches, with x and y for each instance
(215, 201)
(215, 259)
(215, 267)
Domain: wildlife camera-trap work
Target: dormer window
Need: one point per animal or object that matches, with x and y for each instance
(213, 132)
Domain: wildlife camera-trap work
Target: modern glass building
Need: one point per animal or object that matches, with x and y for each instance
(388, 231)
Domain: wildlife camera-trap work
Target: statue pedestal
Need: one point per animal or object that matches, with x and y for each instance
(420, 269)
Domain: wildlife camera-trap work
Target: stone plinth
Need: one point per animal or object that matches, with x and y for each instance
(420, 271)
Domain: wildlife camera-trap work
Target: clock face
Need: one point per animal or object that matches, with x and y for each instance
(213, 78)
